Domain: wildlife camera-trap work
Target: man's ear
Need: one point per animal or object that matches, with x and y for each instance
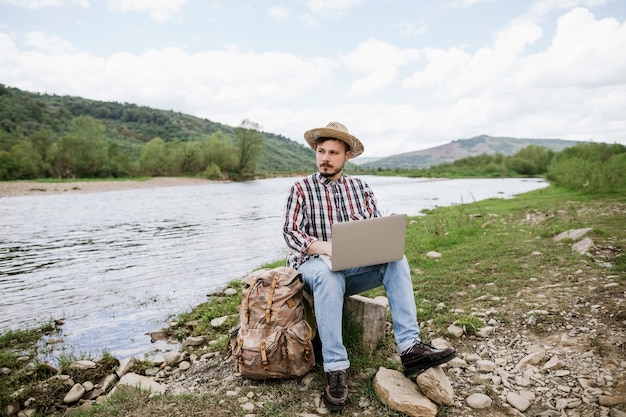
(348, 156)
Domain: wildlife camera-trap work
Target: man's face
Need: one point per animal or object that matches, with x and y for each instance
(331, 156)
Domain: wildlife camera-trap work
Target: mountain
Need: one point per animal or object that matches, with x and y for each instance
(462, 148)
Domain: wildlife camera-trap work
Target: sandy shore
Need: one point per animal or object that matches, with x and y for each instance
(21, 188)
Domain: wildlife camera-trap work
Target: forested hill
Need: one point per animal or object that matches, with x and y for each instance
(43, 119)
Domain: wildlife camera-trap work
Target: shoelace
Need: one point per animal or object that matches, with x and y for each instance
(419, 344)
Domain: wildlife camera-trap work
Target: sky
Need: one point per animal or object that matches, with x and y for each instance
(401, 75)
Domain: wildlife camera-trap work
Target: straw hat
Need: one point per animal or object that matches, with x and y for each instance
(334, 130)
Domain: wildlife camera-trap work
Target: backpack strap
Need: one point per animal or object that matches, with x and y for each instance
(270, 299)
(246, 303)
(264, 361)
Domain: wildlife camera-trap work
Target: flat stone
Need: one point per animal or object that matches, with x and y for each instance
(479, 401)
(573, 234)
(193, 341)
(75, 394)
(400, 394)
(84, 364)
(141, 382)
(611, 400)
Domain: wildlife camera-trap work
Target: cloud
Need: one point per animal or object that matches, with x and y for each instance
(380, 62)
(278, 13)
(43, 4)
(332, 7)
(543, 7)
(159, 10)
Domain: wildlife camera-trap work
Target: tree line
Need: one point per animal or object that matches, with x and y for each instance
(586, 167)
(85, 151)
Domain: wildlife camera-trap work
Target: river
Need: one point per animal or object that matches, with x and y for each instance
(117, 265)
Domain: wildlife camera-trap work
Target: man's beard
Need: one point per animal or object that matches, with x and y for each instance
(328, 174)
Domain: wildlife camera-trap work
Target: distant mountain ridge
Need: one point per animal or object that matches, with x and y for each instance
(462, 148)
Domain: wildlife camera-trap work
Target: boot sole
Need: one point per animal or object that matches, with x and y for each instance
(418, 369)
(335, 407)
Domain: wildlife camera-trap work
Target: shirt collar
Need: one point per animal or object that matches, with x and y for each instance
(324, 180)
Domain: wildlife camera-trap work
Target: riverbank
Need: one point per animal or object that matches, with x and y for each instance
(23, 188)
(539, 322)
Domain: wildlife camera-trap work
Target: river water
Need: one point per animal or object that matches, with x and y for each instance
(117, 265)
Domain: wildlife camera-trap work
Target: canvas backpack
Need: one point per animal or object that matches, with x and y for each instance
(273, 338)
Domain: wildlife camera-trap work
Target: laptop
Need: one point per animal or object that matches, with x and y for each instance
(367, 242)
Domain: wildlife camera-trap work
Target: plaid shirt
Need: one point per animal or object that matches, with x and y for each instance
(315, 203)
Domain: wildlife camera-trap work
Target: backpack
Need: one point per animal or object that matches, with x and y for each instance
(273, 338)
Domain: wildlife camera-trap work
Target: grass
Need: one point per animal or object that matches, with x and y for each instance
(491, 251)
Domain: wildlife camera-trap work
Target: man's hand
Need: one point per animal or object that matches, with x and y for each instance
(320, 248)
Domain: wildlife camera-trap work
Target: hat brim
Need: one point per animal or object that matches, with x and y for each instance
(311, 136)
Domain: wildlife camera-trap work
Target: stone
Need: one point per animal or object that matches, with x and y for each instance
(400, 394)
(517, 401)
(456, 331)
(84, 364)
(553, 363)
(435, 385)
(141, 382)
(193, 341)
(156, 335)
(218, 321)
(125, 366)
(75, 394)
(12, 408)
(108, 381)
(479, 401)
(573, 234)
(88, 385)
(172, 358)
(485, 331)
(533, 358)
(583, 246)
(230, 292)
(369, 314)
(485, 366)
(611, 400)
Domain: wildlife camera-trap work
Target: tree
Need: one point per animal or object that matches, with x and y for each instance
(153, 159)
(220, 152)
(532, 160)
(83, 152)
(249, 142)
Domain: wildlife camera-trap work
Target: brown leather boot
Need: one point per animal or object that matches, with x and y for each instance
(336, 392)
(422, 356)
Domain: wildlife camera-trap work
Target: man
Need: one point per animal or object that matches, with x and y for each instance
(314, 204)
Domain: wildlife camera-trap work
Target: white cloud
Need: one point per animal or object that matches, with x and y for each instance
(469, 3)
(542, 7)
(43, 4)
(380, 62)
(278, 13)
(48, 43)
(159, 10)
(332, 7)
(585, 53)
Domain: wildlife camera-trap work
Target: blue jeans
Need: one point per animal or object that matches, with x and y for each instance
(329, 289)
